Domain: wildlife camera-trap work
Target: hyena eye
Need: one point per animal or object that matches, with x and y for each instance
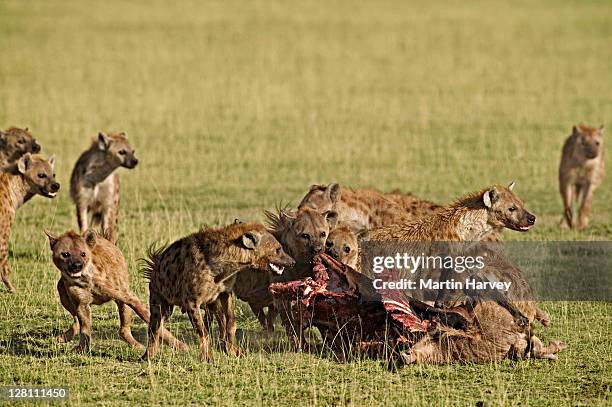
(278, 250)
(347, 249)
(21, 141)
(305, 236)
(323, 234)
(122, 152)
(83, 254)
(512, 208)
(42, 175)
(65, 255)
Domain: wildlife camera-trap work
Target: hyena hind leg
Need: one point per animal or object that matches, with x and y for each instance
(125, 329)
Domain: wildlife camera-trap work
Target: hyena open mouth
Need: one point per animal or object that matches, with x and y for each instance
(277, 269)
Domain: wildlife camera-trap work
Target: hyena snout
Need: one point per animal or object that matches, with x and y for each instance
(526, 221)
(317, 248)
(35, 147)
(131, 162)
(55, 186)
(75, 266)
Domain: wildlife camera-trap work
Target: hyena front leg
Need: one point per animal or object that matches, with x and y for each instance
(585, 207)
(84, 316)
(4, 260)
(82, 217)
(109, 223)
(567, 196)
(125, 328)
(71, 307)
(227, 324)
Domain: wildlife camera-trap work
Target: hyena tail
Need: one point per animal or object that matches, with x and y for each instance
(149, 266)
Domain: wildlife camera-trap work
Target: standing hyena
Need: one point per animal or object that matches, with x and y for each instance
(581, 171)
(199, 272)
(94, 184)
(31, 175)
(14, 143)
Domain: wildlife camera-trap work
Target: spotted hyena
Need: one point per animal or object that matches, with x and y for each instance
(94, 272)
(14, 143)
(581, 171)
(31, 175)
(94, 184)
(199, 271)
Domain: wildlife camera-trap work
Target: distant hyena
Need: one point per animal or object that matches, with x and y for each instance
(581, 171)
(14, 143)
(94, 184)
(30, 175)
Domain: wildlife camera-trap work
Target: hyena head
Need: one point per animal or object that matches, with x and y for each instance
(506, 210)
(303, 234)
(71, 251)
(39, 174)
(260, 248)
(321, 198)
(118, 149)
(342, 245)
(590, 140)
(16, 142)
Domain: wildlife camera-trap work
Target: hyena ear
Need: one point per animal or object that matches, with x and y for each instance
(575, 131)
(2, 139)
(601, 129)
(332, 219)
(24, 163)
(90, 238)
(52, 239)
(333, 191)
(490, 197)
(237, 221)
(51, 162)
(103, 141)
(250, 240)
(511, 186)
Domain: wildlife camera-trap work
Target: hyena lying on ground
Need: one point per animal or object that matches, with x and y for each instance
(302, 235)
(493, 336)
(30, 175)
(366, 208)
(94, 272)
(581, 171)
(199, 271)
(14, 143)
(471, 218)
(94, 184)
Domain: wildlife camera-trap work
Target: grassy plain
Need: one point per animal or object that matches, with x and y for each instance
(236, 106)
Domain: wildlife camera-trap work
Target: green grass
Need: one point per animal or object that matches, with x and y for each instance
(235, 106)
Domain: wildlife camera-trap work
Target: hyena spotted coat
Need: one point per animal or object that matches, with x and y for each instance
(581, 171)
(94, 184)
(30, 175)
(199, 271)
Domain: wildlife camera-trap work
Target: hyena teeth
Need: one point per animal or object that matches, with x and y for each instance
(277, 269)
